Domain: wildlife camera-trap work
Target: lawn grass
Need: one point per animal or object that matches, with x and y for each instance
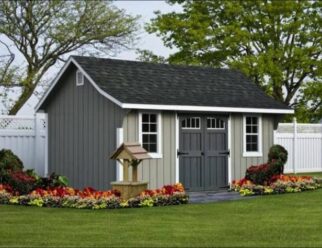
(290, 220)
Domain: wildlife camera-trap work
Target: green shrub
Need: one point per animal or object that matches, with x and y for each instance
(4, 176)
(277, 156)
(10, 161)
(21, 182)
(276, 167)
(262, 174)
(52, 181)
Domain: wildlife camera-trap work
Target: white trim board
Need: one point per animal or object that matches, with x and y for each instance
(229, 146)
(258, 153)
(159, 153)
(157, 106)
(119, 141)
(61, 72)
(205, 108)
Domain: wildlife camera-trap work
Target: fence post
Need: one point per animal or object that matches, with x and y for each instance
(294, 144)
(36, 142)
(274, 137)
(46, 145)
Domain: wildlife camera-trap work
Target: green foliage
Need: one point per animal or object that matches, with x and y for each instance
(38, 202)
(52, 181)
(276, 167)
(277, 153)
(275, 43)
(32, 173)
(21, 182)
(262, 174)
(148, 56)
(11, 172)
(277, 158)
(62, 181)
(259, 174)
(9, 161)
(146, 203)
(44, 31)
(309, 103)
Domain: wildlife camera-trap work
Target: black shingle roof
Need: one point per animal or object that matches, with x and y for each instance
(148, 83)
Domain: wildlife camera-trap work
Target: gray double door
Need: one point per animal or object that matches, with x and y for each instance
(203, 152)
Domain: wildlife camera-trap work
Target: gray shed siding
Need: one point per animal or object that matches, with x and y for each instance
(239, 164)
(157, 171)
(82, 133)
(162, 171)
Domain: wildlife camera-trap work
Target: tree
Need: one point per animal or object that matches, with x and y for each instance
(278, 44)
(148, 56)
(44, 31)
(309, 103)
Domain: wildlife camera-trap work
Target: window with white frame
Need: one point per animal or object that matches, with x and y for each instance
(215, 123)
(190, 123)
(79, 78)
(252, 136)
(150, 132)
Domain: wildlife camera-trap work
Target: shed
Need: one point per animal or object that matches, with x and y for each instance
(202, 126)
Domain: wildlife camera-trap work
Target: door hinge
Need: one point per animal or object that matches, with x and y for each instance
(225, 153)
(182, 153)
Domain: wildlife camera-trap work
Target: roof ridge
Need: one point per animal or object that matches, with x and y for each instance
(203, 67)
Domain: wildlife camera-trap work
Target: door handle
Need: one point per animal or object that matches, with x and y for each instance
(182, 153)
(224, 153)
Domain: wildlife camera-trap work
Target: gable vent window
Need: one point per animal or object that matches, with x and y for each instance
(150, 137)
(214, 123)
(79, 78)
(252, 136)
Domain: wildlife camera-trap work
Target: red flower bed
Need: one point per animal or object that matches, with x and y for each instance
(165, 190)
(241, 182)
(6, 187)
(287, 178)
(22, 176)
(21, 182)
(68, 191)
(259, 174)
(96, 194)
(283, 178)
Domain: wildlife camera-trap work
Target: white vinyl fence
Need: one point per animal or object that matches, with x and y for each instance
(26, 137)
(304, 145)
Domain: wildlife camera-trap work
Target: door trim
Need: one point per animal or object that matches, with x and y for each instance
(177, 148)
(229, 148)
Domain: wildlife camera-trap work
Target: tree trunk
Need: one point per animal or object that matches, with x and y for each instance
(26, 94)
(278, 93)
(29, 84)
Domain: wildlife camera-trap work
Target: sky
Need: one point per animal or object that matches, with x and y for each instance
(145, 9)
